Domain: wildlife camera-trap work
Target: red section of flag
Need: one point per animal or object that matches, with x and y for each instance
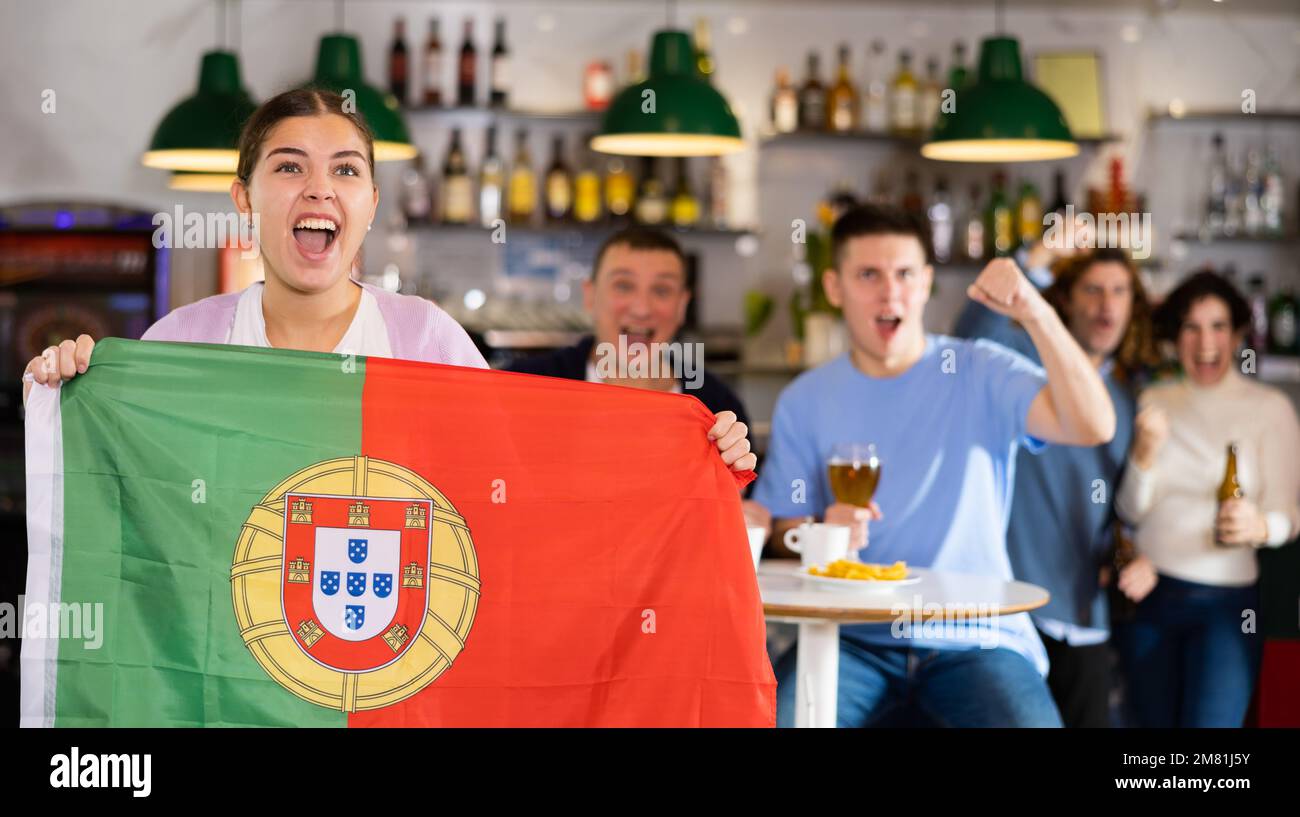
(617, 583)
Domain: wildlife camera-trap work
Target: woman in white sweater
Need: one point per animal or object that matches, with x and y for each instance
(1190, 654)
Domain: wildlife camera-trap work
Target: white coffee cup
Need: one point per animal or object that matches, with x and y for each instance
(757, 536)
(818, 543)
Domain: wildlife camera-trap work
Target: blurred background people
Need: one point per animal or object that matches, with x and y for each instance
(1061, 522)
(1214, 474)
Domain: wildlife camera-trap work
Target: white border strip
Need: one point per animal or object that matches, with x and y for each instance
(44, 447)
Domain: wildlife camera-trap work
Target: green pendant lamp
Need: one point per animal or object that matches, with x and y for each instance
(673, 112)
(338, 68)
(1000, 117)
(202, 132)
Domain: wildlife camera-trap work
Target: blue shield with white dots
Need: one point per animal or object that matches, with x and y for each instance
(354, 616)
(357, 559)
(358, 549)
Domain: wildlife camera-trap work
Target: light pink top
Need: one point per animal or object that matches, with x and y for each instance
(417, 329)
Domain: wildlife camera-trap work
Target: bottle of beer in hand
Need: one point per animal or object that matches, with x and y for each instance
(1122, 554)
(1229, 488)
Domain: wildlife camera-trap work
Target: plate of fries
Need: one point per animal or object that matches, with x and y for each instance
(844, 574)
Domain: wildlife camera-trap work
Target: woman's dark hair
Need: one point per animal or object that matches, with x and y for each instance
(1169, 316)
(1137, 348)
(298, 102)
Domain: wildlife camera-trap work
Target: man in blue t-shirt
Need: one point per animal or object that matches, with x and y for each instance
(1062, 518)
(947, 417)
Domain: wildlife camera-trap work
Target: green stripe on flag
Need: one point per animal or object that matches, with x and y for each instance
(164, 453)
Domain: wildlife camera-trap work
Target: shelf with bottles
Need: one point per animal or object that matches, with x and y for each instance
(574, 190)
(1245, 194)
(897, 108)
(972, 218)
(418, 79)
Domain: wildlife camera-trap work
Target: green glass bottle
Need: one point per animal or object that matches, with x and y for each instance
(999, 221)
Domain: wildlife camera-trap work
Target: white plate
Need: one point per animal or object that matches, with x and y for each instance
(856, 585)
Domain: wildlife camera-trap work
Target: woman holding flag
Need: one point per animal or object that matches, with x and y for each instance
(306, 180)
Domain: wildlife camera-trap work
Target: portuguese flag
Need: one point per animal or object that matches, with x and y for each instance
(260, 537)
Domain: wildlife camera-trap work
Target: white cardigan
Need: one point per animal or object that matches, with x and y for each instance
(1173, 504)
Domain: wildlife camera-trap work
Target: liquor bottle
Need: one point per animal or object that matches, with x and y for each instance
(619, 189)
(973, 230)
(704, 64)
(1123, 553)
(521, 197)
(842, 98)
(466, 67)
(812, 98)
(1029, 212)
(635, 72)
(1283, 313)
(1229, 487)
(1059, 201)
(499, 81)
(941, 222)
(1258, 337)
(491, 182)
(784, 106)
(432, 66)
(397, 67)
(685, 208)
(1253, 194)
(457, 188)
(1216, 201)
(417, 204)
(651, 205)
(957, 73)
(930, 97)
(1273, 194)
(912, 202)
(597, 85)
(586, 188)
(875, 95)
(718, 193)
(1235, 205)
(559, 184)
(903, 114)
(999, 225)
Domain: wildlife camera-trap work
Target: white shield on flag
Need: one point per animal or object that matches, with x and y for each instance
(356, 573)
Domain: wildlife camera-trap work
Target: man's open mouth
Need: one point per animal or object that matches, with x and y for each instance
(637, 334)
(887, 325)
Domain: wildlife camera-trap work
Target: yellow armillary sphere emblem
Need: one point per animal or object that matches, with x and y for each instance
(355, 583)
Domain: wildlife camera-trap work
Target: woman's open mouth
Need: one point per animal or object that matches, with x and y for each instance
(315, 236)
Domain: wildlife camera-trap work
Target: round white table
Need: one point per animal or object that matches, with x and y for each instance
(819, 612)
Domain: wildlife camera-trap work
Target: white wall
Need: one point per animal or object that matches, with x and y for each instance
(116, 66)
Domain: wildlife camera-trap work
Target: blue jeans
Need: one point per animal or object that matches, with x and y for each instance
(970, 687)
(1186, 660)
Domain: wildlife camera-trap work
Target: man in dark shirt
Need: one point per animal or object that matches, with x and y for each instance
(637, 297)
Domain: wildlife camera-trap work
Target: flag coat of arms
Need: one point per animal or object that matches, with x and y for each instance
(298, 539)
